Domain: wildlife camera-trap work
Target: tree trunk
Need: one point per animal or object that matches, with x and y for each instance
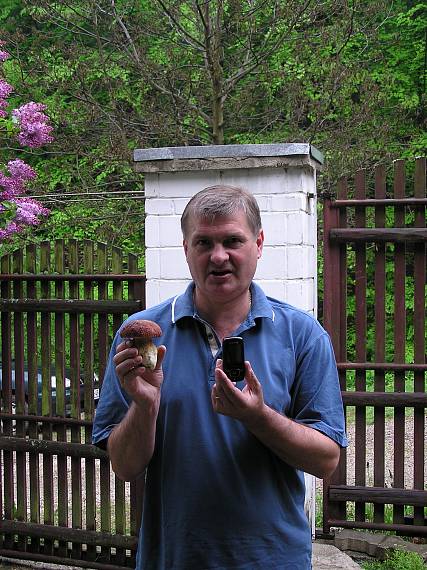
(217, 120)
(214, 56)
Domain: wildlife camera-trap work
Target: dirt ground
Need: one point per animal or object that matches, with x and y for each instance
(10, 564)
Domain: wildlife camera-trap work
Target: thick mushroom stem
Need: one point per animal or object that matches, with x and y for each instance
(148, 351)
(141, 332)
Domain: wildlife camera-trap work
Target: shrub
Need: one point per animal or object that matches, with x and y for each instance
(398, 560)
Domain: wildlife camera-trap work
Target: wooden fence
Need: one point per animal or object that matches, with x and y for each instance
(61, 304)
(375, 310)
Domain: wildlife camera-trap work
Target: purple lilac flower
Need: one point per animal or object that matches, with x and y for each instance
(15, 184)
(28, 214)
(34, 132)
(3, 105)
(20, 170)
(33, 123)
(11, 229)
(4, 55)
(11, 186)
(5, 89)
(29, 211)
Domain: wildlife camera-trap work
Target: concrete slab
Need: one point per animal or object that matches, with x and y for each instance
(329, 557)
(376, 545)
(325, 557)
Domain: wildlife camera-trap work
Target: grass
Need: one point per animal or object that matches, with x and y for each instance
(398, 560)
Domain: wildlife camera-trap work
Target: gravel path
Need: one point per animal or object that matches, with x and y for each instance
(389, 453)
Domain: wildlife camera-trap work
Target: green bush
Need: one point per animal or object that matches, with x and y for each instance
(398, 560)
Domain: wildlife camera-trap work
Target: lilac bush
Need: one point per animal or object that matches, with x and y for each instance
(32, 129)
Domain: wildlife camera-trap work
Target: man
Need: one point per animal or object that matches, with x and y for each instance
(224, 462)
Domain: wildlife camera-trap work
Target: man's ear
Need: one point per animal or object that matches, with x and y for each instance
(185, 246)
(260, 242)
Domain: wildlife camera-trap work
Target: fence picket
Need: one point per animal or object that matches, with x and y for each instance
(399, 338)
(419, 336)
(61, 429)
(360, 324)
(119, 486)
(76, 464)
(19, 358)
(104, 464)
(90, 499)
(47, 432)
(342, 325)
(380, 333)
(6, 351)
(34, 458)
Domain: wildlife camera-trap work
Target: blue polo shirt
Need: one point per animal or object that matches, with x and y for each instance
(215, 496)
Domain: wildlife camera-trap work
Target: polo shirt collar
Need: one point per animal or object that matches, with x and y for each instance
(183, 305)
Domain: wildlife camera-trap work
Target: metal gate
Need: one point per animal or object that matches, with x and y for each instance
(375, 309)
(61, 304)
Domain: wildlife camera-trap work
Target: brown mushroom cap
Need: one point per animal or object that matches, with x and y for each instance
(141, 328)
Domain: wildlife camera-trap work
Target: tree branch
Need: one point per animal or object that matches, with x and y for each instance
(188, 38)
(126, 32)
(254, 59)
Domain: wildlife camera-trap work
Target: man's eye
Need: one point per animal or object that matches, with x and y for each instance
(202, 242)
(233, 242)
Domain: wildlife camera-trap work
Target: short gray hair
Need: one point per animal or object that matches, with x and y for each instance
(222, 200)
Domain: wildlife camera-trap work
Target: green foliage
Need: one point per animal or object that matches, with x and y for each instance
(398, 560)
(121, 223)
(347, 79)
(8, 213)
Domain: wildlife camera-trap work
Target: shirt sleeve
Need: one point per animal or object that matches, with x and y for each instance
(113, 403)
(317, 400)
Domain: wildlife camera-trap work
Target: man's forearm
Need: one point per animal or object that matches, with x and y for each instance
(131, 443)
(300, 446)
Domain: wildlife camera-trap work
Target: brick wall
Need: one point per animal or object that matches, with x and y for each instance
(286, 194)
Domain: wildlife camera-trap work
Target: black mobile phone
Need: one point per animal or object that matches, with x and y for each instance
(233, 357)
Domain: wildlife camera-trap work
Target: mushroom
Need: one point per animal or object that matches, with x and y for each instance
(141, 332)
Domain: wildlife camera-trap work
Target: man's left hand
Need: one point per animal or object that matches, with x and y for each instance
(228, 400)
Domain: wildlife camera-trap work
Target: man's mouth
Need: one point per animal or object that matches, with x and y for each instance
(222, 273)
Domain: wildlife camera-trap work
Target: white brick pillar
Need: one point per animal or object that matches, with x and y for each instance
(283, 179)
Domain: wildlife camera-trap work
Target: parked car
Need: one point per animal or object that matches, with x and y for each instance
(53, 384)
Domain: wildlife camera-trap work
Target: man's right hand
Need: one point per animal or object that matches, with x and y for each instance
(142, 384)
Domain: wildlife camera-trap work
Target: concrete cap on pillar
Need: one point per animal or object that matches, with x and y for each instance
(170, 159)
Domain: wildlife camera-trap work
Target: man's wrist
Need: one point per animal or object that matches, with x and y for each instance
(257, 418)
(147, 407)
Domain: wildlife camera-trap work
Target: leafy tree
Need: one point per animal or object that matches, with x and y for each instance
(123, 74)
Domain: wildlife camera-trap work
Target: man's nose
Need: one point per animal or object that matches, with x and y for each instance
(219, 254)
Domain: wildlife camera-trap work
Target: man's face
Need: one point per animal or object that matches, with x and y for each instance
(222, 256)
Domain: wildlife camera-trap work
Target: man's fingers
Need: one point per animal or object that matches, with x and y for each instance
(161, 351)
(127, 367)
(251, 380)
(127, 355)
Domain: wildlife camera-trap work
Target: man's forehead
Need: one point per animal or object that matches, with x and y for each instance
(228, 224)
